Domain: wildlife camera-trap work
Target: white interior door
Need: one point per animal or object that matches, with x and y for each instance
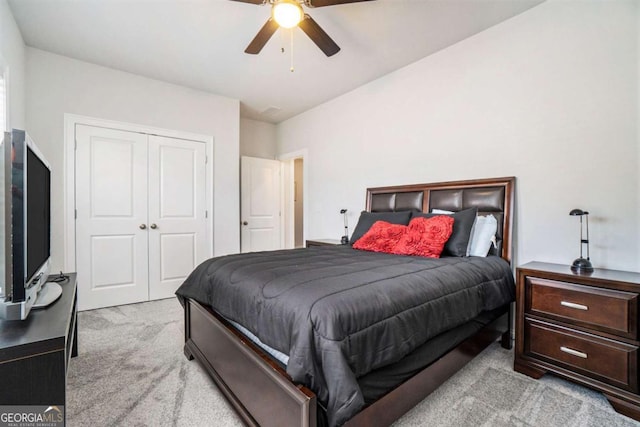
(111, 224)
(177, 221)
(260, 204)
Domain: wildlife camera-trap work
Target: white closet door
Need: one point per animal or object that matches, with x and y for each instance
(177, 222)
(111, 224)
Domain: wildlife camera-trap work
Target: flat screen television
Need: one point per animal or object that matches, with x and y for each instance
(27, 227)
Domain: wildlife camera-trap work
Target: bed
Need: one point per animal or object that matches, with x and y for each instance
(352, 325)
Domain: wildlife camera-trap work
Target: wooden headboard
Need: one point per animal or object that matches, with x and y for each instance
(491, 196)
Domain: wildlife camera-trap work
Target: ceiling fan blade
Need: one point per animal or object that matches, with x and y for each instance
(323, 3)
(318, 36)
(262, 37)
(251, 1)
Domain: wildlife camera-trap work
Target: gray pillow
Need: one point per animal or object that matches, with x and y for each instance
(462, 226)
(367, 219)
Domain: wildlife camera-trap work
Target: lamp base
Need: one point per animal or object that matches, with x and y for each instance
(581, 265)
(344, 240)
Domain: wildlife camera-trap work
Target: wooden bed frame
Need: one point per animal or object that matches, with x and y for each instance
(260, 390)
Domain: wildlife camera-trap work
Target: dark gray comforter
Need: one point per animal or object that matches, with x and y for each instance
(340, 313)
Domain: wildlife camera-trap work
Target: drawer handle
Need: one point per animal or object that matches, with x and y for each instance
(573, 352)
(574, 305)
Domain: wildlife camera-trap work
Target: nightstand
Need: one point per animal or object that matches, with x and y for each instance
(323, 242)
(582, 327)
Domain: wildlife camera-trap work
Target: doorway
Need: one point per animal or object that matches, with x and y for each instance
(298, 202)
(272, 207)
(295, 198)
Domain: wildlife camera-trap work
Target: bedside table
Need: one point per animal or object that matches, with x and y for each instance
(323, 242)
(582, 327)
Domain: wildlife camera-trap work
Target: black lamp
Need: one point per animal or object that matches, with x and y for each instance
(345, 238)
(582, 265)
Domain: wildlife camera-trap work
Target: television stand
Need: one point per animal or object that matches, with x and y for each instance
(48, 294)
(35, 352)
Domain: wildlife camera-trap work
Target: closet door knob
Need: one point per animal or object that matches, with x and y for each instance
(143, 226)
(245, 223)
(153, 226)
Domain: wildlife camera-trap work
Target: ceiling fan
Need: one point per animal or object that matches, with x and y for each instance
(288, 14)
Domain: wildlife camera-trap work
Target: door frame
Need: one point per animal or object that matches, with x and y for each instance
(69, 167)
(288, 207)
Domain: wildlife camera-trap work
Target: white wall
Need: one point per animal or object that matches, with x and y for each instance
(58, 85)
(549, 96)
(258, 139)
(12, 53)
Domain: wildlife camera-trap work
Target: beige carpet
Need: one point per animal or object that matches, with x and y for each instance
(131, 372)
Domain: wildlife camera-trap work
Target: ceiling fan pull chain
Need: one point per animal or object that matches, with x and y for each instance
(291, 33)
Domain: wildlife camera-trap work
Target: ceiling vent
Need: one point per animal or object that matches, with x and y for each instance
(270, 111)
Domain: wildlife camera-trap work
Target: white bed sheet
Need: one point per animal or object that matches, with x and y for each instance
(279, 356)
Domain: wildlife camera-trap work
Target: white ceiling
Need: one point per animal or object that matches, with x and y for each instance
(200, 43)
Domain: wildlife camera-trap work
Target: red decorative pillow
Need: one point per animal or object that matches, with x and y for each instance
(425, 236)
(381, 237)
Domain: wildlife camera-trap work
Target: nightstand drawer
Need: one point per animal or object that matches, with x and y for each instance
(605, 360)
(605, 309)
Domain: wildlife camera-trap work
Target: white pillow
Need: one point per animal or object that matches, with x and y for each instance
(484, 234)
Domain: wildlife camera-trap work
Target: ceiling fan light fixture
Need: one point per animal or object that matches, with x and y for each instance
(287, 13)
